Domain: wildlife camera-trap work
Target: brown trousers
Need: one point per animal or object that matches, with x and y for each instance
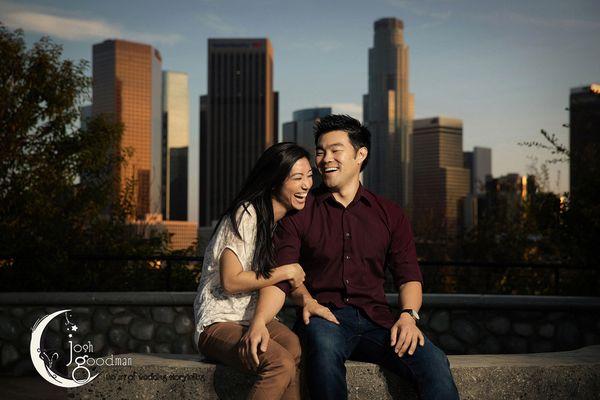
(278, 371)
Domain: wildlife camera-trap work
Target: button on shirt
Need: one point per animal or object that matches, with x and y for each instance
(345, 250)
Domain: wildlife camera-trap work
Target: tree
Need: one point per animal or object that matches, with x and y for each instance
(577, 232)
(59, 189)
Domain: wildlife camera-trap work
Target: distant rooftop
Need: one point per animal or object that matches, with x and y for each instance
(384, 23)
(591, 88)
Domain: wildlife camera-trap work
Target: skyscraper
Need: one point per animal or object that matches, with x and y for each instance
(584, 133)
(479, 162)
(127, 87)
(440, 180)
(300, 129)
(175, 145)
(388, 113)
(238, 119)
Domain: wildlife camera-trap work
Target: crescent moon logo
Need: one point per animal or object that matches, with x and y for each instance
(43, 362)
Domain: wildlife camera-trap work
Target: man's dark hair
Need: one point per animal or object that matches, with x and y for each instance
(358, 134)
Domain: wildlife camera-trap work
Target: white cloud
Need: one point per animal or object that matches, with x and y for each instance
(79, 29)
(554, 23)
(421, 9)
(502, 18)
(352, 109)
(218, 25)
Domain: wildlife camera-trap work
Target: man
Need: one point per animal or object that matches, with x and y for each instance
(344, 239)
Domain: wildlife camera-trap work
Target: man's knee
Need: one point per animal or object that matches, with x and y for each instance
(324, 340)
(435, 360)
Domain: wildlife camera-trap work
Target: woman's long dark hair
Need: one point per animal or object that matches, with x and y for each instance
(265, 179)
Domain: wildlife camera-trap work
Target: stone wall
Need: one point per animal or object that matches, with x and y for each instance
(162, 322)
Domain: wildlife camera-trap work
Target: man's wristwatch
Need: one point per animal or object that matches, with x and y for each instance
(411, 312)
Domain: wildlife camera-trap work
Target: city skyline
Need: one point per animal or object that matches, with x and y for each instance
(506, 71)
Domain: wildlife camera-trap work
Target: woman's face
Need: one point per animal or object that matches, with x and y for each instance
(296, 186)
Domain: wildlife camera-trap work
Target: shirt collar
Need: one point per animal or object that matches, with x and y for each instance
(322, 193)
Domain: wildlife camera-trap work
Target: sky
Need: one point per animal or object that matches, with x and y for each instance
(504, 67)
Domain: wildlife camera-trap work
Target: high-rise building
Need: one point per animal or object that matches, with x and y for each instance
(85, 113)
(440, 180)
(584, 134)
(504, 196)
(176, 132)
(479, 162)
(388, 113)
(300, 131)
(127, 87)
(238, 119)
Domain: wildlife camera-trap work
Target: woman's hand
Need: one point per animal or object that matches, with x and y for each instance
(295, 274)
(257, 334)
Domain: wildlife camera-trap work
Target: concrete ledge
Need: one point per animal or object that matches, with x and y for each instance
(563, 375)
(430, 300)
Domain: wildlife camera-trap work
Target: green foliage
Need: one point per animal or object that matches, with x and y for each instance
(574, 233)
(59, 190)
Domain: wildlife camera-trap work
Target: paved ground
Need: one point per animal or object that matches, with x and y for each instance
(29, 388)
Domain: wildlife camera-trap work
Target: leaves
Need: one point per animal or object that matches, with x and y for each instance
(60, 193)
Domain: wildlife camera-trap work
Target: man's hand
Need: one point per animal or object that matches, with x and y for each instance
(257, 334)
(313, 308)
(405, 335)
(295, 274)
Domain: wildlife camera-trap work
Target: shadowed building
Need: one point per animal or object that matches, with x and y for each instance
(440, 180)
(505, 195)
(175, 145)
(85, 113)
(238, 119)
(300, 131)
(584, 132)
(479, 162)
(388, 113)
(127, 87)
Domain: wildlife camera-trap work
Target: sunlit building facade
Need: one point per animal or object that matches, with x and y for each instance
(388, 113)
(175, 143)
(441, 183)
(127, 87)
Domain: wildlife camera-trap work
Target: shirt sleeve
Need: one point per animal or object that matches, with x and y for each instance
(402, 255)
(287, 247)
(241, 246)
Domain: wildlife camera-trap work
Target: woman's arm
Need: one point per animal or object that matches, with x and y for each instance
(270, 301)
(235, 280)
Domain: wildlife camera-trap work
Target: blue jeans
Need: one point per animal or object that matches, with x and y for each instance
(327, 346)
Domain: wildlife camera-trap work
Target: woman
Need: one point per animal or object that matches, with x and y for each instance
(240, 260)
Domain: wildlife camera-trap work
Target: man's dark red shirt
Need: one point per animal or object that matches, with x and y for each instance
(345, 250)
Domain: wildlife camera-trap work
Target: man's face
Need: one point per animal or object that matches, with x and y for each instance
(336, 159)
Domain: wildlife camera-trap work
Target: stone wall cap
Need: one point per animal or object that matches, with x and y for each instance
(430, 300)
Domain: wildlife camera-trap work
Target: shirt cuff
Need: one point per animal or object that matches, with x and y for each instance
(409, 273)
(284, 286)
